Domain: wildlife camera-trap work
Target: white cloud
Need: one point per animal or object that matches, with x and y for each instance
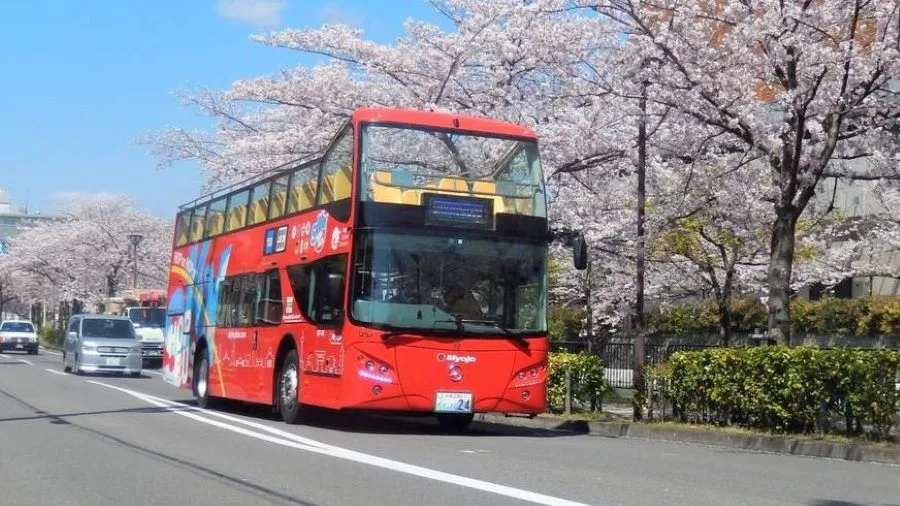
(254, 12)
(336, 14)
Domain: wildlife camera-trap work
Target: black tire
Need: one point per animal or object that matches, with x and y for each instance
(455, 422)
(135, 375)
(201, 380)
(288, 401)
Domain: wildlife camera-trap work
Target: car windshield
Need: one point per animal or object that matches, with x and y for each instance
(107, 328)
(148, 317)
(439, 284)
(398, 162)
(16, 327)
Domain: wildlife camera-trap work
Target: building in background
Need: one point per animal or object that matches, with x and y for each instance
(13, 221)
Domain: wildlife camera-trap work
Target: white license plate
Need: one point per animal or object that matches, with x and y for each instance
(20, 346)
(113, 361)
(453, 402)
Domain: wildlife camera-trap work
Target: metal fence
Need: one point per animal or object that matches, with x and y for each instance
(618, 358)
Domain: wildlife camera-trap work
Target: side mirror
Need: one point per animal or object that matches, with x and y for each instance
(579, 252)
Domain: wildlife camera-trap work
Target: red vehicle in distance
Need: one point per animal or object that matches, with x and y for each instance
(405, 270)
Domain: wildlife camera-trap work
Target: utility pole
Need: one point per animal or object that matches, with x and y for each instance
(640, 386)
(135, 240)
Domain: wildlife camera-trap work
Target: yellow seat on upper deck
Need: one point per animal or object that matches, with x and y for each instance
(480, 188)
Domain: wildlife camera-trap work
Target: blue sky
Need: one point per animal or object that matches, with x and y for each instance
(82, 80)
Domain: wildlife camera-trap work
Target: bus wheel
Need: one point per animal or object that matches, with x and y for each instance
(455, 422)
(201, 381)
(288, 388)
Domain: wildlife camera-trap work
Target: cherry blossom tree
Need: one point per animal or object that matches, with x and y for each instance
(805, 86)
(86, 255)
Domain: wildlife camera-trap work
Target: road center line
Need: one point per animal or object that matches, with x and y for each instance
(54, 371)
(52, 352)
(291, 440)
(4, 356)
(25, 361)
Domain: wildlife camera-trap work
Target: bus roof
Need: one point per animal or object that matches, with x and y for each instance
(441, 120)
(410, 117)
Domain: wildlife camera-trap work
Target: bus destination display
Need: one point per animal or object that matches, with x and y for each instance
(458, 211)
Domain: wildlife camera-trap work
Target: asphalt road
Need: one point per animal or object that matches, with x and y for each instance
(98, 440)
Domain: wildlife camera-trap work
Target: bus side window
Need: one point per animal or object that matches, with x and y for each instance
(270, 303)
(183, 228)
(309, 282)
(303, 185)
(335, 182)
(259, 206)
(249, 293)
(215, 218)
(278, 201)
(197, 223)
(225, 302)
(237, 210)
(324, 310)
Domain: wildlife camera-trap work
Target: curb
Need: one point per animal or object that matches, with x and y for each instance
(857, 452)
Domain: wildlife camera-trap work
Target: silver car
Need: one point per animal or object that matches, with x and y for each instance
(102, 343)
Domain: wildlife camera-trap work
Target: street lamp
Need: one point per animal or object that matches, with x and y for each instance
(135, 239)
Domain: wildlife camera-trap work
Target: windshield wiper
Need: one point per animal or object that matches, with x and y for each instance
(500, 326)
(461, 322)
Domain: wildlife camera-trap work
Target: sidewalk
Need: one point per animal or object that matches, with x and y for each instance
(793, 445)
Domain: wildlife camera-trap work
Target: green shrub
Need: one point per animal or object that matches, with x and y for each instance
(51, 337)
(795, 390)
(586, 374)
(565, 323)
(860, 317)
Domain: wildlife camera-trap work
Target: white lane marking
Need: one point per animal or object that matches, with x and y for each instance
(157, 373)
(291, 440)
(54, 371)
(4, 355)
(52, 352)
(25, 361)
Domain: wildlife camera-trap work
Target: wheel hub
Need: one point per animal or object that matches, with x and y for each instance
(289, 387)
(201, 381)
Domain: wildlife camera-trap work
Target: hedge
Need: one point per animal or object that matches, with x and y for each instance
(871, 316)
(51, 337)
(788, 390)
(586, 374)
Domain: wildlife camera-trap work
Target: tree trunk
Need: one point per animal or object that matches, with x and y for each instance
(781, 263)
(640, 386)
(724, 303)
(725, 321)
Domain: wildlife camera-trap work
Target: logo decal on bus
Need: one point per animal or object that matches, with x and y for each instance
(335, 237)
(317, 234)
(452, 357)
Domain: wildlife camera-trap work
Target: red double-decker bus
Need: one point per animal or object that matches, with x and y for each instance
(404, 270)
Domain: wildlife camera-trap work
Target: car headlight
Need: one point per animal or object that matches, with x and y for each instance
(88, 347)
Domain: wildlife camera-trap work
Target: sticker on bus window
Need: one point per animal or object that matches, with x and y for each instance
(281, 239)
(269, 246)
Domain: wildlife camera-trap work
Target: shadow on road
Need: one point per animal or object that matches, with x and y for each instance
(367, 422)
(60, 418)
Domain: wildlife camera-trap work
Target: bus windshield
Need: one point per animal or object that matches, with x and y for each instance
(398, 161)
(154, 317)
(438, 284)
